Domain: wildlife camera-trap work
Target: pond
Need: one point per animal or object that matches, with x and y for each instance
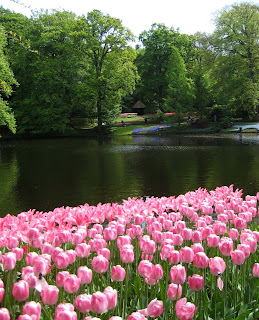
(43, 174)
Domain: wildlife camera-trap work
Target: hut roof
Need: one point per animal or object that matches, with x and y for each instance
(139, 105)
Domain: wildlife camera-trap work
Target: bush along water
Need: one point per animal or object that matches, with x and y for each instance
(193, 256)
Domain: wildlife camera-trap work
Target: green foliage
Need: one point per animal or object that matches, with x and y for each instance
(110, 73)
(6, 81)
(235, 68)
(180, 90)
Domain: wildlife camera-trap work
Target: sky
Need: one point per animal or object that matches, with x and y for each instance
(189, 16)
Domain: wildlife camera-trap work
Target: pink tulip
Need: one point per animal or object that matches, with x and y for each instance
(196, 282)
(71, 256)
(174, 257)
(66, 315)
(186, 233)
(111, 295)
(186, 254)
(157, 272)
(9, 260)
(25, 317)
(32, 308)
(184, 310)
(49, 295)
(217, 266)
(84, 274)
(126, 254)
(136, 316)
(245, 248)
(71, 283)
(233, 233)
(157, 236)
(256, 270)
(155, 308)
(237, 257)
(109, 234)
(239, 223)
(196, 236)
(18, 252)
(177, 239)
(174, 291)
(82, 250)
(60, 278)
(83, 303)
(226, 246)
(100, 264)
(2, 291)
(201, 260)
(20, 290)
(115, 318)
(213, 240)
(219, 228)
(4, 314)
(76, 238)
(104, 252)
(47, 248)
(33, 234)
(40, 266)
(99, 302)
(197, 247)
(145, 268)
(61, 260)
(64, 307)
(118, 273)
(178, 274)
(122, 240)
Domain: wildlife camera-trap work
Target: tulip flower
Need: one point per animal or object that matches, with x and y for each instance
(196, 282)
(99, 302)
(32, 308)
(111, 295)
(184, 310)
(118, 273)
(100, 264)
(20, 290)
(174, 291)
(71, 283)
(178, 274)
(83, 303)
(84, 274)
(4, 314)
(217, 265)
(49, 295)
(9, 260)
(256, 270)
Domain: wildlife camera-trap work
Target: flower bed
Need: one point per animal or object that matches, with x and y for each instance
(188, 257)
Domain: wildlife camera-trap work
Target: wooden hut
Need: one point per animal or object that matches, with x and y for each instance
(139, 108)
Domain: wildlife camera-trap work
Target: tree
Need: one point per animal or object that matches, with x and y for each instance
(43, 102)
(7, 80)
(180, 93)
(235, 43)
(159, 44)
(108, 62)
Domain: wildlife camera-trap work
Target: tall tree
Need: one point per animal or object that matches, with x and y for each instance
(180, 93)
(7, 80)
(110, 71)
(159, 44)
(43, 102)
(236, 45)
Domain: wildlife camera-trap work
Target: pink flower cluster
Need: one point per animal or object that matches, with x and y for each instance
(90, 255)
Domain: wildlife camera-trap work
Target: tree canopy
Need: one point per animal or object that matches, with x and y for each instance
(70, 67)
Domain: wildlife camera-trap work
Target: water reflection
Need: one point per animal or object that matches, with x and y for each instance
(44, 174)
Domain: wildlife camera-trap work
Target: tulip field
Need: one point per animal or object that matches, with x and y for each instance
(192, 256)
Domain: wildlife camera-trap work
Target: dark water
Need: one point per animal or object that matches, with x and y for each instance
(48, 173)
